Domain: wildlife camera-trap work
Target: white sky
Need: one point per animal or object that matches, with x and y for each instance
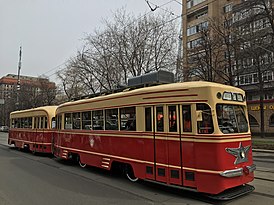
(50, 31)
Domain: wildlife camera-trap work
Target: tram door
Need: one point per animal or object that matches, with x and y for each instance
(167, 157)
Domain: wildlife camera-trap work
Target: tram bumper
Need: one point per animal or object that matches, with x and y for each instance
(238, 172)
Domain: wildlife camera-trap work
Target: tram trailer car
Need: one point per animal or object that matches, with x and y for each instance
(193, 135)
(33, 129)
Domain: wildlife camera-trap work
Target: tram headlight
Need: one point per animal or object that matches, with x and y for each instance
(219, 95)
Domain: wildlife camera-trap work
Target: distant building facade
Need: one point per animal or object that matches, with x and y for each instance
(33, 90)
(248, 19)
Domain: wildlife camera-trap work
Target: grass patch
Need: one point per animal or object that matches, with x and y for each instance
(262, 144)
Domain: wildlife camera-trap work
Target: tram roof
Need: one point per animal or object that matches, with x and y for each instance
(157, 88)
(48, 109)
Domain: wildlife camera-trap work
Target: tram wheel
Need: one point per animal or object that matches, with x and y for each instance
(130, 174)
(80, 163)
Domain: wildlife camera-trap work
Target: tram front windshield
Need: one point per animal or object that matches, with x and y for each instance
(231, 118)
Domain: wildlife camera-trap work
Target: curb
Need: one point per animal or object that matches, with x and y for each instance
(263, 150)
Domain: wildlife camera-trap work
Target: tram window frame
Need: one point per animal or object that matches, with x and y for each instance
(172, 122)
(46, 123)
(160, 123)
(68, 121)
(39, 122)
(86, 120)
(35, 123)
(59, 122)
(186, 117)
(53, 123)
(98, 120)
(25, 122)
(76, 120)
(12, 125)
(148, 119)
(42, 120)
(128, 118)
(30, 122)
(202, 126)
(21, 123)
(17, 123)
(111, 119)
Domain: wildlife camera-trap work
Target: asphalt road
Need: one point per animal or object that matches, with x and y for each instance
(41, 179)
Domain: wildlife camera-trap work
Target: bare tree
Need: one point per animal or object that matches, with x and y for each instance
(128, 46)
(256, 50)
(206, 56)
(71, 82)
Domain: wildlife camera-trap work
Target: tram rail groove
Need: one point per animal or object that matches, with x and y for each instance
(262, 194)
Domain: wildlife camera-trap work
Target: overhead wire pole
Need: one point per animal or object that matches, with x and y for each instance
(179, 55)
(18, 79)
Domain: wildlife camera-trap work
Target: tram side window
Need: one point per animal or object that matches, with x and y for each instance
(172, 118)
(187, 125)
(42, 123)
(35, 122)
(17, 123)
(128, 118)
(206, 125)
(160, 119)
(21, 122)
(76, 120)
(97, 120)
(39, 122)
(30, 122)
(68, 121)
(148, 119)
(13, 123)
(86, 120)
(59, 122)
(25, 122)
(46, 123)
(112, 119)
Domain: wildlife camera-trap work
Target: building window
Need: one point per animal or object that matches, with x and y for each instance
(253, 122)
(227, 8)
(197, 28)
(195, 43)
(202, 14)
(191, 3)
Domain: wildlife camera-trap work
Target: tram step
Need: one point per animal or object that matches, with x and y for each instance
(233, 192)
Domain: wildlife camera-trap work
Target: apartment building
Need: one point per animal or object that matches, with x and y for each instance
(34, 90)
(197, 15)
(246, 20)
(8, 84)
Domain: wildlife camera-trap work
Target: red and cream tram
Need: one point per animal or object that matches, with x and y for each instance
(193, 135)
(33, 129)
